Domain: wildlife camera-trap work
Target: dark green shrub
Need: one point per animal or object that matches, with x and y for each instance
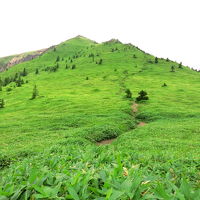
(73, 66)
(156, 60)
(128, 93)
(35, 92)
(134, 56)
(172, 69)
(180, 65)
(37, 71)
(100, 61)
(2, 103)
(24, 73)
(58, 59)
(142, 96)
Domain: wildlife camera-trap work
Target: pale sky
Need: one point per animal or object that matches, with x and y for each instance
(164, 28)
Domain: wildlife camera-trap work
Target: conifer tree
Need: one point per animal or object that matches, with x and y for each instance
(16, 76)
(156, 60)
(73, 66)
(128, 93)
(172, 68)
(37, 71)
(2, 103)
(100, 61)
(35, 92)
(19, 82)
(142, 96)
(180, 65)
(58, 59)
(24, 73)
(57, 66)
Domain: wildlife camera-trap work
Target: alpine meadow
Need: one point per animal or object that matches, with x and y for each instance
(107, 121)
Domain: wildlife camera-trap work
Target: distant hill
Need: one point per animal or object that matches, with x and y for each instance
(9, 61)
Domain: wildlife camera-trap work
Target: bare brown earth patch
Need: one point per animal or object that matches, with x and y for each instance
(103, 142)
(134, 107)
(135, 110)
(141, 124)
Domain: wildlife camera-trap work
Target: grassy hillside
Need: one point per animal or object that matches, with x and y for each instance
(49, 145)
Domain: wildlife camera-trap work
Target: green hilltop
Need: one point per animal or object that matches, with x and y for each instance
(72, 127)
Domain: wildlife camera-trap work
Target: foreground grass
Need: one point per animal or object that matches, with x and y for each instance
(52, 139)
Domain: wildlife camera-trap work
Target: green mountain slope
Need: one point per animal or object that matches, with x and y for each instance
(52, 139)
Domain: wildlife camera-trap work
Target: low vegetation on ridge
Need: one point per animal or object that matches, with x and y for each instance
(57, 107)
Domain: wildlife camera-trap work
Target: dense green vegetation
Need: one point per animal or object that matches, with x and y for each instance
(80, 93)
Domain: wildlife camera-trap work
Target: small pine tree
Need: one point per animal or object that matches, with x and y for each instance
(37, 71)
(19, 82)
(164, 85)
(142, 96)
(54, 49)
(156, 60)
(128, 93)
(100, 61)
(16, 77)
(172, 68)
(35, 92)
(180, 65)
(2, 103)
(87, 78)
(167, 60)
(24, 73)
(66, 66)
(73, 66)
(58, 59)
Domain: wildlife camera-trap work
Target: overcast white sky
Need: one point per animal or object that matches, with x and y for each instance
(164, 28)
